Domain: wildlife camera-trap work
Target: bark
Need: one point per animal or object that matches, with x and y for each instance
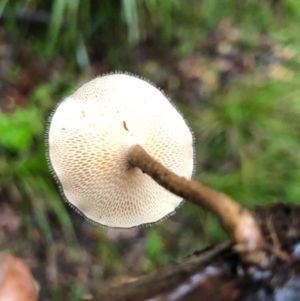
(218, 274)
(162, 282)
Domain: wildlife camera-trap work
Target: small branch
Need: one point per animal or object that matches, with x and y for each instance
(165, 280)
(236, 219)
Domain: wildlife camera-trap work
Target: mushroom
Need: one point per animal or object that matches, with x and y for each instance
(90, 135)
(112, 137)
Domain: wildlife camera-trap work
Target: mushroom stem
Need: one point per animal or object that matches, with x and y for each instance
(236, 219)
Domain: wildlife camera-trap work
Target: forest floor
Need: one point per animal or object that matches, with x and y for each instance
(68, 267)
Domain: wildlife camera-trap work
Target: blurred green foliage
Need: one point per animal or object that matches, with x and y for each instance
(23, 164)
(256, 128)
(247, 138)
(75, 28)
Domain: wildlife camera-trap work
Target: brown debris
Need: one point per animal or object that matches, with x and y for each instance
(16, 281)
(14, 92)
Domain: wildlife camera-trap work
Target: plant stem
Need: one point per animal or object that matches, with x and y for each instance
(236, 219)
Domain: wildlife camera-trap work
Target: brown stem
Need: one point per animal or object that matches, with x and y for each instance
(238, 220)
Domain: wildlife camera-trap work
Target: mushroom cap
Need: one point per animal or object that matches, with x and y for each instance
(89, 135)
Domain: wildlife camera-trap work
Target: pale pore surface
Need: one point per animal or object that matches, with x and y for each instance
(89, 136)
